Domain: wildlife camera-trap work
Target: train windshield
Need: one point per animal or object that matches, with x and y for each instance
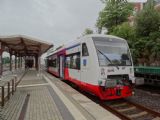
(114, 49)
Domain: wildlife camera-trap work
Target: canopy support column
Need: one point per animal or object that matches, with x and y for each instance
(15, 62)
(1, 62)
(18, 61)
(21, 61)
(25, 66)
(36, 62)
(10, 61)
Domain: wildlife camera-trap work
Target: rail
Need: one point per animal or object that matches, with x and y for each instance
(125, 109)
(128, 110)
(7, 88)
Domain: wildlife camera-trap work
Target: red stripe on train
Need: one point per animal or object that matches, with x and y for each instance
(108, 94)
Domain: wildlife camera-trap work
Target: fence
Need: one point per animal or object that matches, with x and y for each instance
(7, 88)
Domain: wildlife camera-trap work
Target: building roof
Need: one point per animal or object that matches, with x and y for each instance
(24, 45)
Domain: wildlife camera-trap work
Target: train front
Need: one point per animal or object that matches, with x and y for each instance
(116, 67)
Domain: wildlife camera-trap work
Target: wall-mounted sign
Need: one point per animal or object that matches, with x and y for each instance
(84, 62)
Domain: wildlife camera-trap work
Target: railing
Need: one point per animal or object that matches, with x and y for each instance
(7, 88)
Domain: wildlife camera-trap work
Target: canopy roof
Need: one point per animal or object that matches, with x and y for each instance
(24, 45)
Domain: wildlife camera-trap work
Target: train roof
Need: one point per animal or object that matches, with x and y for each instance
(100, 35)
(78, 41)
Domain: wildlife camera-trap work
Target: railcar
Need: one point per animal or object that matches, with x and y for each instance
(99, 64)
(147, 75)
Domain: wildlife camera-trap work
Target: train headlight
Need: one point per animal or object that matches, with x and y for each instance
(100, 82)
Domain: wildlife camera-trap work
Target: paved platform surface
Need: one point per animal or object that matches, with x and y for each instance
(88, 108)
(44, 97)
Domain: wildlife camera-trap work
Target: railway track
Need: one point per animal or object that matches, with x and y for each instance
(124, 109)
(127, 110)
(149, 88)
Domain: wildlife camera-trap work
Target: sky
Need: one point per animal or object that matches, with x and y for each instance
(55, 21)
(138, 1)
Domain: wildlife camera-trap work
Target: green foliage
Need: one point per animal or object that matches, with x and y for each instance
(114, 13)
(125, 31)
(87, 31)
(143, 37)
(147, 27)
(5, 60)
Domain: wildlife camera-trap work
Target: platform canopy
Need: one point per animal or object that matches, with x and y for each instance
(24, 45)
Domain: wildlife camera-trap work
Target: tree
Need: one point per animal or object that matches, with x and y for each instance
(87, 31)
(147, 26)
(5, 60)
(115, 13)
(125, 31)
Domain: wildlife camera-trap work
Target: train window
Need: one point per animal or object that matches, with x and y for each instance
(84, 50)
(50, 63)
(67, 62)
(78, 62)
(73, 61)
(55, 63)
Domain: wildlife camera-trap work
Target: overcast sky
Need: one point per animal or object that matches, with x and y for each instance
(56, 21)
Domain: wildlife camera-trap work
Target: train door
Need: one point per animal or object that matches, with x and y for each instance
(61, 66)
(84, 63)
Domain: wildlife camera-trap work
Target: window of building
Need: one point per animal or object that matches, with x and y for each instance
(84, 50)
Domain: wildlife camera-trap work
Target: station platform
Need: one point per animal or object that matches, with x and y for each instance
(41, 96)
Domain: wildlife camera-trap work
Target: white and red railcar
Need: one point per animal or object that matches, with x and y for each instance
(99, 64)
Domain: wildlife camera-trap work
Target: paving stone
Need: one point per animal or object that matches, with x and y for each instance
(12, 108)
(32, 82)
(41, 105)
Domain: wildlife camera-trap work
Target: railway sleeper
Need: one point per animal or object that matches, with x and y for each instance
(137, 115)
(119, 105)
(127, 109)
